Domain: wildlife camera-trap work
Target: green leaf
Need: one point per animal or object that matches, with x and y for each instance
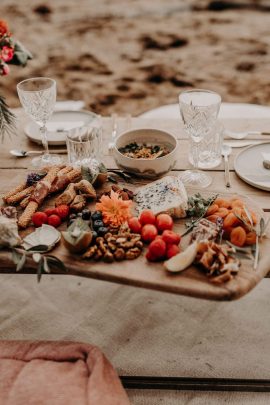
(37, 257)
(89, 174)
(46, 265)
(7, 120)
(55, 262)
(15, 256)
(102, 168)
(39, 270)
(21, 263)
(38, 249)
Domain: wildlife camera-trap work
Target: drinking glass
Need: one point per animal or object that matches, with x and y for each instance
(199, 110)
(84, 144)
(37, 96)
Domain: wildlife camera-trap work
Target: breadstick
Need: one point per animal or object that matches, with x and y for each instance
(38, 195)
(15, 190)
(25, 202)
(27, 214)
(15, 198)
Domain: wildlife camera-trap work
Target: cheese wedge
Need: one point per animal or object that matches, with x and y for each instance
(167, 194)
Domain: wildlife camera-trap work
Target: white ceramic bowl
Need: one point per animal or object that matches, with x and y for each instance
(148, 168)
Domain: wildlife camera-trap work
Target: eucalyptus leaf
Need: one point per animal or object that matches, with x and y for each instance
(89, 174)
(38, 248)
(55, 262)
(21, 263)
(46, 265)
(37, 257)
(16, 256)
(39, 270)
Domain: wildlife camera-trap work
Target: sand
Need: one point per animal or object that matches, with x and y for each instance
(129, 56)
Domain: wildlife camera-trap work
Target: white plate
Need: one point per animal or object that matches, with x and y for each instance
(248, 164)
(59, 124)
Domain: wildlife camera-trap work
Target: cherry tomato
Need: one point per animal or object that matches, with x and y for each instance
(147, 217)
(135, 225)
(149, 232)
(157, 248)
(171, 237)
(163, 222)
(172, 250)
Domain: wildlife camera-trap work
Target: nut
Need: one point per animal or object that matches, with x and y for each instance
(107, 236)
(121, 240)
(112, 246)
(98, 255)
(108, 257)
(133, 253)
(119, 254)
(139, 244)
(128, 245)
(99, 240)
(90, 252)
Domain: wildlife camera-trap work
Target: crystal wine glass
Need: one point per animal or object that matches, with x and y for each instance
(37, 96)
(199, 110)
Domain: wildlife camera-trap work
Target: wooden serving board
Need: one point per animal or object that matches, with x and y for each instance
(140, 273)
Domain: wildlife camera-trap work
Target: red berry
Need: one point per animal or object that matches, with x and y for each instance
(149, 256)
(135, 225)
(149, 232)
(39, 218)
(147, 217)
(49, 211)
(172, 250)
(54, 220)
(157, 248)
(62, 211)
(171, 238)
(163, 222)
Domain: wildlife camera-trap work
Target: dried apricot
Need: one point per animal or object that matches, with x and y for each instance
(230, 220)
(227, 232)
(237, 203)
(251, 238)
(213, 218)
(221, 202)
(222, 212)
(238, 236)
(212, 209)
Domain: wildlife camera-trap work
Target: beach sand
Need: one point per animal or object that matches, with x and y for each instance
(129, 56)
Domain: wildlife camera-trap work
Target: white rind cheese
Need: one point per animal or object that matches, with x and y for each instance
(167, 194)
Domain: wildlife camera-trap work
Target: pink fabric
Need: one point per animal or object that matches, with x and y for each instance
(57, 373)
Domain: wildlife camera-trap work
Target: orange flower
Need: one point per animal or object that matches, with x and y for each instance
(114, 210)
(3, 28)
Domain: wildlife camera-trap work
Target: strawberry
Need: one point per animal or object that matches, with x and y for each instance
(50, 211)
(39, 218)
(54, 220)
(62, 211)
(172, 250)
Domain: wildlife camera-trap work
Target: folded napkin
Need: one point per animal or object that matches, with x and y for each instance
(57, 373)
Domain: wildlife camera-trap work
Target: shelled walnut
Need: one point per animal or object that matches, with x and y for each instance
(120, 246)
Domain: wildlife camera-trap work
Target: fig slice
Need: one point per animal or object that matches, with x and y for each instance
(182, 260)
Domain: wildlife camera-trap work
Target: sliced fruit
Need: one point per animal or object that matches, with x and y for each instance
(184, 259)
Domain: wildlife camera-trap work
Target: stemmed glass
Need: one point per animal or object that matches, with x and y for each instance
(199, 110)
(37, 96)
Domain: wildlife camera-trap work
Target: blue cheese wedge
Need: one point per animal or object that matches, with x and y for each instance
(167, 194)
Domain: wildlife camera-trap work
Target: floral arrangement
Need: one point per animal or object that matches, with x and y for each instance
(11, 53)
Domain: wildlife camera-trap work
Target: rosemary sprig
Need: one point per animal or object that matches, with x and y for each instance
(7, 120)
(197, 205)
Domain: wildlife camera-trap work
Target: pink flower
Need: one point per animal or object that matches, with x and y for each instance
(7, 54)
(4, 69)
